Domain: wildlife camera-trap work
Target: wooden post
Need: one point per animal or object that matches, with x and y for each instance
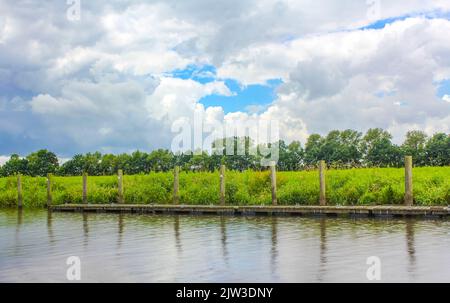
(176, 185)
(408, 181)
(222, 185)
(273, 181)
(120, 186)
(85, 201)
(322, 197)
(19, 191)
(49, 190)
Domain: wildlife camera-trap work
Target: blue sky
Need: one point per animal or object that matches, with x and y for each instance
(380, 24)
(246, 98)
(443, 88)
(257, 97)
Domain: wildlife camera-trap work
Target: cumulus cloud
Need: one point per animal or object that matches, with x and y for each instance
(174, 98)
(338, 84)
(101, 83)
(3, 159)
(113, 115)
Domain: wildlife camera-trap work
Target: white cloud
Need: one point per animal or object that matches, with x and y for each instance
(111, 115)
(446, 98)
(335, 86)
(101, 83)
(174, 98)
(3, 159)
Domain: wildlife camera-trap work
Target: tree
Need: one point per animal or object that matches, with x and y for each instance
(139, 163)
(239, 152)
(295, 156)
(414, 146)
(372, 136)
(313, 148)
(122, 162)
(91, 163)
(42, 163)
(379, 150)
(339, 148)
(350, 148)
(437, 150)
(15, 165)
(73, 167)
(283, 156)
(108, 164)
(163, 160)
(384, 154)
(199, 162)
(290, 156)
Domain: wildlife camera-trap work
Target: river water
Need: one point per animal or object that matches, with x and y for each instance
(35, 245)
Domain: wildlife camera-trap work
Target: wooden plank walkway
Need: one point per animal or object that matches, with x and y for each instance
(402, 211)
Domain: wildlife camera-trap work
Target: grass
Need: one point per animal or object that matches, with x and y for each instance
(371, 186)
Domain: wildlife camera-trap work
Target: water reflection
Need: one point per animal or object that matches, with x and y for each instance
(223, 238)
(51, 237)
(410, 245)
(323, 249)
(177, 234)
(120, 230)
(85, 229)
(183, 248)
(274, 249)
(19, 217)
(18, 226)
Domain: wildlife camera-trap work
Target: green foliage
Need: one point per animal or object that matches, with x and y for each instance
(340, 149)
(42, 163)
(15, 165)
(362, 186)
(437, 150)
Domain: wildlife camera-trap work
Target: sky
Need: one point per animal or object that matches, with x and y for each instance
(114, 76)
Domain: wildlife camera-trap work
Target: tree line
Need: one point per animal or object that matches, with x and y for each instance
(340, 149)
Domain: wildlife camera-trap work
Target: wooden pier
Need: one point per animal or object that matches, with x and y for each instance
(220, 208)
(369, 211)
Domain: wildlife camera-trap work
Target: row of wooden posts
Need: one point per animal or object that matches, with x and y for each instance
(176, 186)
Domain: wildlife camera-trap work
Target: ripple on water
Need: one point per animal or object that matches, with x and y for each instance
(165, 248)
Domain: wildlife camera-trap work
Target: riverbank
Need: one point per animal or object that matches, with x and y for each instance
(352, 187)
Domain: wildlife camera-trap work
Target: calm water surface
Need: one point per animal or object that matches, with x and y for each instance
(34, 246)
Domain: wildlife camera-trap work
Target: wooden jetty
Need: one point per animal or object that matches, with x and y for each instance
(219, 207)
(370, 211)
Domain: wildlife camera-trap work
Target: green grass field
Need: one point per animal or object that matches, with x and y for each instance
(375, 186)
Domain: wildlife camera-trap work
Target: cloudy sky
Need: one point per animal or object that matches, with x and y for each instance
(115, 77)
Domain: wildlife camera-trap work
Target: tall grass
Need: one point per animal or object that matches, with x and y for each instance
(372, 186)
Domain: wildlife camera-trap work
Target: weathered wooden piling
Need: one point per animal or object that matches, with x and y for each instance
(409, 199)
(19, 191)
(120, 199)
(49, 190)
(322, 196)
(222, 185)
(85, 200)
(176, 185)
(273, 181)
